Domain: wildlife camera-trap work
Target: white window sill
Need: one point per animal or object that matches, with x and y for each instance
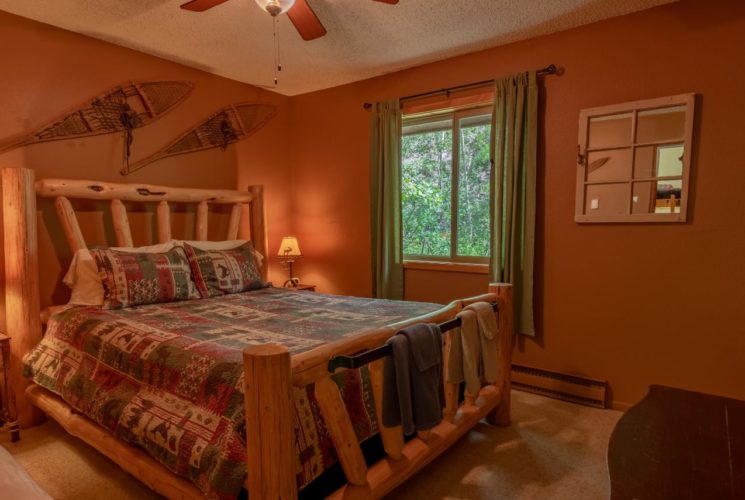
(444, 266)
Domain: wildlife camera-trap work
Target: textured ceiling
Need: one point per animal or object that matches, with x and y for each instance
(364, 39)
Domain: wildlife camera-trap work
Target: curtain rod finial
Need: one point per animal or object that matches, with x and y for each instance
(367, 105)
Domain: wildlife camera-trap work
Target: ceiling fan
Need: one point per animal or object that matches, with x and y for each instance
(302, 16)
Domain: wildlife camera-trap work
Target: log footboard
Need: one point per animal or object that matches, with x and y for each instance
(268, 393)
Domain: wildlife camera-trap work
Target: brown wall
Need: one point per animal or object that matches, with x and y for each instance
(635, 304)
(47, 71)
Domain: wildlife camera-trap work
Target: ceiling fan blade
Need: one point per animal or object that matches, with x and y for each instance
(305, 20)
(201, 5)
(392, 2)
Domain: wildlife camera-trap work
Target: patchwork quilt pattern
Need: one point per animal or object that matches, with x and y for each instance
(168, 377)
(144, 278)
(217, 272)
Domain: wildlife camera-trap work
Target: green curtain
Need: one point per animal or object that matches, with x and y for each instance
(514, 136)
(385, 200)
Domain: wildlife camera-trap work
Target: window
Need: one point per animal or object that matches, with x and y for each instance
(634, 161)
(445, 167)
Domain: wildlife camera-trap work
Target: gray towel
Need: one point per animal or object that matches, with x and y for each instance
(413, 395)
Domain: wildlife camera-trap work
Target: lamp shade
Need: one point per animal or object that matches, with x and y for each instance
(289, 247)
(275, 7)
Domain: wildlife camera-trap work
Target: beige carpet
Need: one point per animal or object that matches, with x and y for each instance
(552, 450)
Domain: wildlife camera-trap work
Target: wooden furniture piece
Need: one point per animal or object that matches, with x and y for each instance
(269, 371)
(668, 204)
(8, 416)
(679, 444)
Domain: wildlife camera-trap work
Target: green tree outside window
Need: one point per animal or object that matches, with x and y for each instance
(445, 179)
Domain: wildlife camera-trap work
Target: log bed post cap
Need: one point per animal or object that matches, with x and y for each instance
(265, 350)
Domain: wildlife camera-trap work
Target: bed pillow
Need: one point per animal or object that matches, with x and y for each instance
(223, 245)
(218, 272)
(84, 281)
(131, 278)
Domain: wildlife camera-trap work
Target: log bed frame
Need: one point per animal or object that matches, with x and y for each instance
(269, 370)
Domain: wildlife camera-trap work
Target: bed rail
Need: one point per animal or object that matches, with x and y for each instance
(364, 358)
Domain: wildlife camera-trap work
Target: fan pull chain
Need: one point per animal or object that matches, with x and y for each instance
(277, 59)
(279, 52)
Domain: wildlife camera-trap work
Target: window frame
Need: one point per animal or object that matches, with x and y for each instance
(455, 115)
(633, 109)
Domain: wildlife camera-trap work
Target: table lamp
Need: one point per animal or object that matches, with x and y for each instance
(289, 251)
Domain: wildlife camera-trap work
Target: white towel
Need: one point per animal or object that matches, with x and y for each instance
(473, 348)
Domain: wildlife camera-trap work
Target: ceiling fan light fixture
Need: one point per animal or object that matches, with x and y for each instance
(275, 7)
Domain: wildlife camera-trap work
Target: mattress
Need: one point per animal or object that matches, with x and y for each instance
(168, 377)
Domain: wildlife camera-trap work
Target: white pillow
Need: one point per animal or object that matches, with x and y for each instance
(83, 279)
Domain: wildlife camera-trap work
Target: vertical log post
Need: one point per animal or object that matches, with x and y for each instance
(258, 225)
(235, 222)
(392, 437)
(202, 214)
(121, 224)
(164, 222)
(501, 414)
(270, 439)
(22, 303)
(451, 390)
(69, 223)
(341, 431)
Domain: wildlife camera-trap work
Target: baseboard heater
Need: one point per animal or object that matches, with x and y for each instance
(582, 390)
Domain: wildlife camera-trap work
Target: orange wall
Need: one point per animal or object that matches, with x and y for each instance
(47, 71)
(635, 304)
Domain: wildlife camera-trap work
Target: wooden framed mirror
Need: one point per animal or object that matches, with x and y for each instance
(634, 161)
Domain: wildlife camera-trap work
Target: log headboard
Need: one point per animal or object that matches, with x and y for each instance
(62, 190)
(20, 191)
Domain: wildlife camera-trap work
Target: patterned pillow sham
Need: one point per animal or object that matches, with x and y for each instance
(219, 272)
(131, 279)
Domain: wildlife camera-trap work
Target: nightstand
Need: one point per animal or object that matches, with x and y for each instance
(304, 288)
(8, 415)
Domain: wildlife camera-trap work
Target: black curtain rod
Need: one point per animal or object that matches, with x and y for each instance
(551, 69)
(366, 357)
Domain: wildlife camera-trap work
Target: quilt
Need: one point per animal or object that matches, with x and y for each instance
(168, 377)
